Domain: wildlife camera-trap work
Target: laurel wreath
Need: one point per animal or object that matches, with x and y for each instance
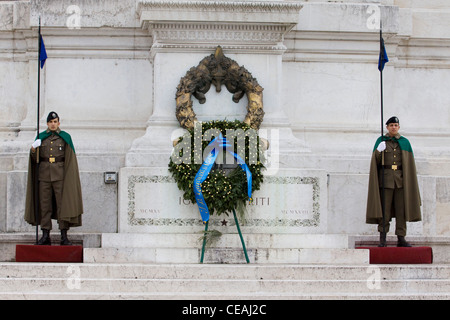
(218, 70)
(223, 191)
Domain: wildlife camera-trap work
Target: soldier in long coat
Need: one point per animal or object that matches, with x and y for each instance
(394, 153)
(60, 195)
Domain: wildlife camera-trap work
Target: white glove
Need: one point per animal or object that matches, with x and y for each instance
(382, 146)
(36, 143)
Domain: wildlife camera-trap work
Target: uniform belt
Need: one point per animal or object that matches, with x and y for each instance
(393, 167)
(52, 159)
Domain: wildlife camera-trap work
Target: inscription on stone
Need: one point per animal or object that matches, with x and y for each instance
(285, 203)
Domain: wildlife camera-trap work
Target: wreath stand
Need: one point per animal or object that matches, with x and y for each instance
(240, 235)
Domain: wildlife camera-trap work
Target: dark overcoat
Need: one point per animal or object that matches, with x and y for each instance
(410, 185)
(72, 203)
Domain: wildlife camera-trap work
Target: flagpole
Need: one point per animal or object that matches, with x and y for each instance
(39, 80)
(36, 186)
(381, 79)
(383, 210)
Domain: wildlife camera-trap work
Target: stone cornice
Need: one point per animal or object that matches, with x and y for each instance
(219, 6)
(230, 12)
(363, 47)
(212, 12)
(256, 26)
(104, 43)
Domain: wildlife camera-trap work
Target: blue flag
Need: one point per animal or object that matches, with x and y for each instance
(42, 52)
(383, 57)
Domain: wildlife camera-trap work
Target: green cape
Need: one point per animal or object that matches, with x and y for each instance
(64, 135)
(402, 141)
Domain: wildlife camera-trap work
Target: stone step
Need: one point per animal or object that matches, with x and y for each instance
(255, 240)
(81, 295)
(220, 287)
(250, 287)
(261, 248)
(186, 281)
(15, 270)
(226, 255)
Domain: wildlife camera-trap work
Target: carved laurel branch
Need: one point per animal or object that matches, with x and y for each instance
(217, 69)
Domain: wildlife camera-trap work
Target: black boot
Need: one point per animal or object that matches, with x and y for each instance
(64, 240)
(382, 239)
(45, 240)
(402, 242)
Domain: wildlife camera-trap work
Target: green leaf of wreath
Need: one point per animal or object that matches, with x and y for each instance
(222, 192)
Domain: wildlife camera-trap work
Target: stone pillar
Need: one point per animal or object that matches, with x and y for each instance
(251, 33)
(183, 33)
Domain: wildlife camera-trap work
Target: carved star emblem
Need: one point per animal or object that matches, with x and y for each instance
(224, 222)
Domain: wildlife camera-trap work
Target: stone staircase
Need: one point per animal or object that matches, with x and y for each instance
(166, 266)
(225, 281)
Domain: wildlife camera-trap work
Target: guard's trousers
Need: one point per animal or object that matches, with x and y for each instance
(394, 198)
(46, 189)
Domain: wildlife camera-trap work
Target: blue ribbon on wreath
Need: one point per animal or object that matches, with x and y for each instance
(217, 144)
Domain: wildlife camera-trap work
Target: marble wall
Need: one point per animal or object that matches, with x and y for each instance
(113, 68)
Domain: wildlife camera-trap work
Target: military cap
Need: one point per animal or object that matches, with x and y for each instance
(52, 115)
(393, 119)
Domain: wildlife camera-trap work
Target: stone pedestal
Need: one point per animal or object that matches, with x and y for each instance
(291, 201)
(183, 33)
(286, 223)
